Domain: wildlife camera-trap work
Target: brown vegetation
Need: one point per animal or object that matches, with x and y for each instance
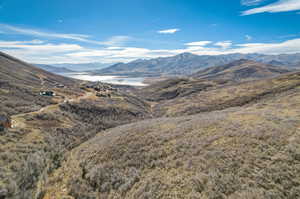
(241, 70)
(191, 96)
(36, 146)
(220, 139)
(242, 152)
(45, 128)
(20, 84)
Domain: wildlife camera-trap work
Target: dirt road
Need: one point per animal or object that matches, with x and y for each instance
(18, 121)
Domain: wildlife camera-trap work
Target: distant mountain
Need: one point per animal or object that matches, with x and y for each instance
(82, 66)
(181, 64)
(241, 70)
(54, 69)
(187, 64)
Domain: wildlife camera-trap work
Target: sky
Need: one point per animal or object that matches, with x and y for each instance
(76, 31)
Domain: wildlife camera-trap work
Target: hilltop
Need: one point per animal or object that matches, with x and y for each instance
(241, 70)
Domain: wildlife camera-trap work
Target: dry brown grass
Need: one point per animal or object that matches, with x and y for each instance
(241, 152)
(245, 145)
(219, 97)
(39, 140)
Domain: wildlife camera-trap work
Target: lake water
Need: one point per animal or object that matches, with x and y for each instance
(121, 80)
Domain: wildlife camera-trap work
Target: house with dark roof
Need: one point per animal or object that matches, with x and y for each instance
(5, 122)
(47, 93)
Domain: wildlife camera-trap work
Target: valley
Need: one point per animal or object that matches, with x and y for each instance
(231, 131)
(119, 80)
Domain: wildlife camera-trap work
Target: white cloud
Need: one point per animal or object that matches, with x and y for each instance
(77, 37)
(198, 43)
(279, 6)
(38, 51)
(251, 2)
(248, 37)
(224, 44)
(25, 31)
(114, 48)
(168, 31)
(12, 43)
(37, 46)
(286, 47)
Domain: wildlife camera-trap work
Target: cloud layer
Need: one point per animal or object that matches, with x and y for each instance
(251, 2)
(115, 40)
(65, 48)
(279, 6)
(198, 43)
(37, 51)
(224, 44)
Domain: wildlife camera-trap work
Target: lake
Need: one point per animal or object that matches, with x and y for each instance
(121, 80)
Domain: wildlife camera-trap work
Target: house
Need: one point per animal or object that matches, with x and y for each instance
(57, 85)
(47, 93)
(60, 86)
(5, 122)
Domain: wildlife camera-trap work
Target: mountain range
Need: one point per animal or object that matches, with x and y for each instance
(54, 69)
(187, 64)
(82, 66)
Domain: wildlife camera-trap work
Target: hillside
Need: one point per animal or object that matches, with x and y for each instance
(247, 150)
(39, 141)
(20, 72)
(187, 64)
(241, 70)
(187, 96)
(20, 84)
(45, 128)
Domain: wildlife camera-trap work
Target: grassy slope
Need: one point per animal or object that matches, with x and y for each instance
(194, 96)
(249, 151)
(20, 84)
(45, 128)
(36, 146)
(241, 70)
(21, 72)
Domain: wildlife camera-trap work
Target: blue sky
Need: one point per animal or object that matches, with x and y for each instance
(76, 31)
